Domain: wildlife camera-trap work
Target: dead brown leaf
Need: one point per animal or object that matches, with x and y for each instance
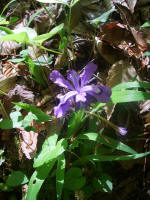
(28, 142)
(21, 93)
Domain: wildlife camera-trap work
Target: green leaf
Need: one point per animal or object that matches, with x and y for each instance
(146, 24)
(7, 5)
(129, 96)
(74, 179)
(73, 2)
(16, 37)
(147, 53)
(43, 60)
(3, 21)
(30, 32)
(34, 15)
(48, 146)
(41, 116)
(41, 38)
(103, 18)
(16, 118)
(60, 173)
(54, 1)
(48, 154)
(16, 60)
(7, 30)
(129, 85)
(100, 158)
(123, 97)
(6, 124)
(16, 178)
(75, 122)
(37, 179)
(1, 152)
(28, 119)
(35, 71)
(110, 142)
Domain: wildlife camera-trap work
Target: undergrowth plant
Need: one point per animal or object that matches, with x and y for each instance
(72, 161)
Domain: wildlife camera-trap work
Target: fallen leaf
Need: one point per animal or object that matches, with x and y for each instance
(28, 142)
(21, 93)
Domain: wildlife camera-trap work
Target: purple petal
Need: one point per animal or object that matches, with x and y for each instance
(81, 97)
(57, 78)
(102, 96)
(74, 78)
(64, 104)
(122, 131)
(87, 73)
(61, 109)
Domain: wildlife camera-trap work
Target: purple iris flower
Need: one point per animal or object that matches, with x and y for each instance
(79, 89)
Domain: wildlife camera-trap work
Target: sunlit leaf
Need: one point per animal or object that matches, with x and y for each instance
(60, 173)
(46, 155)
(130, 85)
(41, 38)
(37, 180)
(146, 24)
(41, 116)
(110, 142)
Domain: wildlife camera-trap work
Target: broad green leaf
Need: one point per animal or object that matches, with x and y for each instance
(65, 2)
(60, 173)
(41, 116)
(16, 60)
(37, 180)
(146, 24)
(123, 97)
(129, 85)
(30, 32)
(49, 145)
(129, 96)
(28, 119)
(48, 155)
(110, 142)
(3, 21)
(6, 124)
(19, 37)
(75, 123)
(103, 18)
(16, 118)
(41, 38)
(16, 178)
(74, 179)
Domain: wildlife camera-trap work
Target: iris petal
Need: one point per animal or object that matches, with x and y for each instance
(103, 96)
(74, 78)
(87, 73)
(61, 109)
(57, 78)
(64, 105)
